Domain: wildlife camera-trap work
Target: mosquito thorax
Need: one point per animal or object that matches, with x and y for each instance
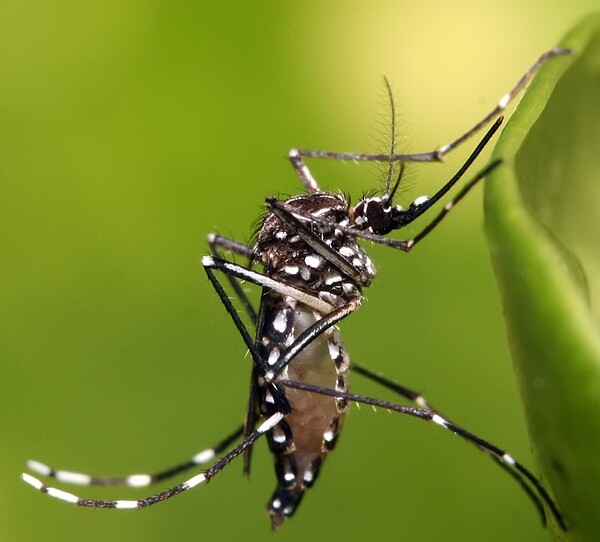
(288, 258)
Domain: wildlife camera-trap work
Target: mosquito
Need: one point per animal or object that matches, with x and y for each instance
(313, 274)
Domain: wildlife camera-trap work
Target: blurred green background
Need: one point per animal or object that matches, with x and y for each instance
(128, 130)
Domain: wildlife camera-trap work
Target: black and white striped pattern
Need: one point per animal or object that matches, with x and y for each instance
(142, 480)
(313, 273)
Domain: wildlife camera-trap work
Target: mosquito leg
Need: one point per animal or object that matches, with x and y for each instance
(416, 398)
(135, 480)
(266, 282)
(252, 415)
(242, 330)
(217, 242)
(519, 471)
(412, 395)
(296, 158)
(204, 476)
(259, 365)
(438, 154)
(506, 99)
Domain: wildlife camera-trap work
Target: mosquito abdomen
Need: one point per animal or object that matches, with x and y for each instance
(301, 440)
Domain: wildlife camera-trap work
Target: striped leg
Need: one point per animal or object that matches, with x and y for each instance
(526, 478)
(412, 395)
(135, 480)
(216, 243)
(297, 156)
(417, 399)
(204, 476)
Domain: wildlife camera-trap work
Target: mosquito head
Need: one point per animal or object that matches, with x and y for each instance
(377, 214)
(374, 214)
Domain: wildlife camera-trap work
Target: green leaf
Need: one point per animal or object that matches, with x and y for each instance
(543, 226)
